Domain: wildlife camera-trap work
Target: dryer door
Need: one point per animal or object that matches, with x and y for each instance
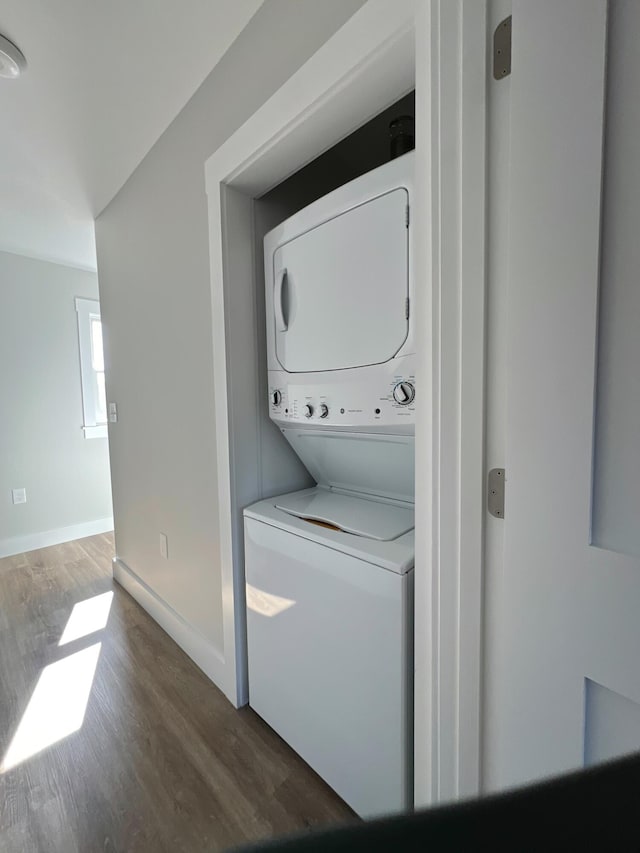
(341, 289)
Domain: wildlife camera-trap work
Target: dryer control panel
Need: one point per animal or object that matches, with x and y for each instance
(375, 399)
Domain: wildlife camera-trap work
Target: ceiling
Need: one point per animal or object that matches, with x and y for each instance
(103, 81)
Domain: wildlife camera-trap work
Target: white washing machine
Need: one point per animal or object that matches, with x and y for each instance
(329, 577)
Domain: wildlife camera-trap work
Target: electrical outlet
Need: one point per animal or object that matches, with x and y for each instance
(164, 546)
(19, 496)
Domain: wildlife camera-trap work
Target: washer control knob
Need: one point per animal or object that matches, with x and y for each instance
(308, 410)
(404, 393)
(276, 397)
(324, 410)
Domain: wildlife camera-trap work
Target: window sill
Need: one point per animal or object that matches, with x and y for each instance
(95, 431)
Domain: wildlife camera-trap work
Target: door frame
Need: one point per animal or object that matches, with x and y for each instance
(381, 52)
(450, 426)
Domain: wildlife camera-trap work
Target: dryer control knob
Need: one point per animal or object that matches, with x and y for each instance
(276, 397)
(324, 410)
(308, 410)
(404, 393)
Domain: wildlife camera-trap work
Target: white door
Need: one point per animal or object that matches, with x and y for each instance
(340, 289)
(568, 683)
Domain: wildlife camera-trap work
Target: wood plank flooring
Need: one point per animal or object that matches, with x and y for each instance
(162, 761)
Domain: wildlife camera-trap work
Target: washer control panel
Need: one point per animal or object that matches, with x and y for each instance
(385, 402)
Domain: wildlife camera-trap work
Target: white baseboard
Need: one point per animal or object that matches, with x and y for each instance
(21, 544)
(200, 650)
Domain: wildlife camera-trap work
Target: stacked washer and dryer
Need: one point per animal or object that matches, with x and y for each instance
(329, 570)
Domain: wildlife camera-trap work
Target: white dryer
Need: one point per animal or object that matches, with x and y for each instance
(339, 289)
(329, 577)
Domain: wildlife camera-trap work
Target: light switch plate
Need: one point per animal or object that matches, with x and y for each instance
(19, 496)
(113, 413)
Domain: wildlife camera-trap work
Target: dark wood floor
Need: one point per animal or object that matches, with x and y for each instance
(162, 761)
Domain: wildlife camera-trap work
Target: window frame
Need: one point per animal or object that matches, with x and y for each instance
(88, 310)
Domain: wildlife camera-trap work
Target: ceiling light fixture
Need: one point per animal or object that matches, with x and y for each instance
(12, 61)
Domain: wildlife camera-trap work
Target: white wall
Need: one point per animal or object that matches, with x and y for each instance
(152, 244)
(42, 445)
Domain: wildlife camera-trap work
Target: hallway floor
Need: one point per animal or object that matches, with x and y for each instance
(112, 739)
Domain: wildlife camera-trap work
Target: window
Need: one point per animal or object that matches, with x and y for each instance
(94, 396)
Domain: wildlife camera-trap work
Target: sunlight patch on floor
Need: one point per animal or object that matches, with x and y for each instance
(87, 617)
(57, 706)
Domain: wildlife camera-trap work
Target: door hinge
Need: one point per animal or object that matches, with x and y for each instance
(495, 492)
(406, 216)
(406, 308)
(502, 49)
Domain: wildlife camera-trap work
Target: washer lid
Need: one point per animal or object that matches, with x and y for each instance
(360, 516)
(394, 555)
